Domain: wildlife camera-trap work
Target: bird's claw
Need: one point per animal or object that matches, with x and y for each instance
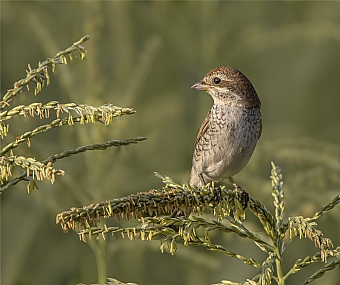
(217, 194)
(242, 195)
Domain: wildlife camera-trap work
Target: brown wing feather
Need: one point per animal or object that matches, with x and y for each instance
(260, 129)
(203, 129)
(196, 178)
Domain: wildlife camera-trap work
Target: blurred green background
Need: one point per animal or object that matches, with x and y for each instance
(146, 55)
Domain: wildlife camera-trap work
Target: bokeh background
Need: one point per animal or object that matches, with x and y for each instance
(146, 55)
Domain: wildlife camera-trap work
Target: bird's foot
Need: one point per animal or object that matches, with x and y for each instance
(217, 194)
(242, 196)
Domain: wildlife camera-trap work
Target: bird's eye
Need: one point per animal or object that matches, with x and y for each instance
(217, 80)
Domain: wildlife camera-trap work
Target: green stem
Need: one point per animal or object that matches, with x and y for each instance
(280, 276)
(98, 247)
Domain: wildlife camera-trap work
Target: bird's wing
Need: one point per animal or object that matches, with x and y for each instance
(260, 129)
(203, 129)
(196, 177)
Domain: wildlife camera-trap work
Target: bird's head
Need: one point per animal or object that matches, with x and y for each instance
(228, 86)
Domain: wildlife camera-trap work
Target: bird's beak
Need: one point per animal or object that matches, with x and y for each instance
(201, 85)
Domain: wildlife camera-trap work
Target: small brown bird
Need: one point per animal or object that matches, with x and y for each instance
(231, 129)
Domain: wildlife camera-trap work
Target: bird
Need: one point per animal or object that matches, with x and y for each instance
(229, 133)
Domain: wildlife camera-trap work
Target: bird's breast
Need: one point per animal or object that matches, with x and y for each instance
(229, 141)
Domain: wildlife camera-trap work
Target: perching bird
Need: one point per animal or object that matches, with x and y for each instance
(231, 129)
